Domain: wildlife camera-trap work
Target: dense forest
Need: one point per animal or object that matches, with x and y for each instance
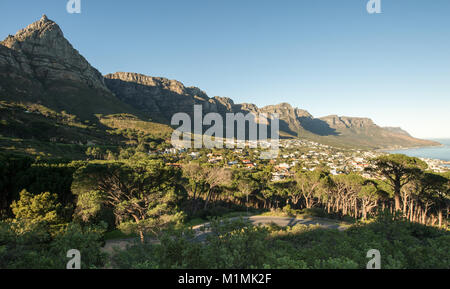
(49, 207)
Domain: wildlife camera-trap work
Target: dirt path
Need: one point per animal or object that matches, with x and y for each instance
(121, 244)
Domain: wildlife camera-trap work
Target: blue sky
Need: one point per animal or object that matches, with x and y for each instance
(325, 56)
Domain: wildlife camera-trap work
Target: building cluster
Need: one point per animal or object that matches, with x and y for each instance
(438, 166)
(295, 154)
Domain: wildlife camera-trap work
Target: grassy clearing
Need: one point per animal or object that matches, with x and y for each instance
(127, 122)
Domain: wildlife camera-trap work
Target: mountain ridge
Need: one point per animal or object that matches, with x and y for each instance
(294, 121)
(38, 65)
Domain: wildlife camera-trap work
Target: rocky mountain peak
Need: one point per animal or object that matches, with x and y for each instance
(285, 105)
(42, 48)
(42, 30)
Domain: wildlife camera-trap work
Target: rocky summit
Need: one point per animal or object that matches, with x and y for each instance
(39, 65)
(41, 51)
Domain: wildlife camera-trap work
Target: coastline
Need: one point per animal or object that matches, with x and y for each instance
(437, 155)
(387, 150)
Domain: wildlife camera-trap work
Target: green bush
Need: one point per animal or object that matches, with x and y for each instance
(36, 249)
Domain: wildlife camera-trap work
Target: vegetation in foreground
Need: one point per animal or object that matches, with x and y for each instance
(238, 244)
(50, 207)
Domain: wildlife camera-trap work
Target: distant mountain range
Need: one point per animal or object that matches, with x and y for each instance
(41, 72)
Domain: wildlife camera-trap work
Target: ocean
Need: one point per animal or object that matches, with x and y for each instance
(440, 152)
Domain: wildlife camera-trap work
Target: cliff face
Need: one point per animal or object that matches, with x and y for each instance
(159, 98)
(16, 75)
(336, 122)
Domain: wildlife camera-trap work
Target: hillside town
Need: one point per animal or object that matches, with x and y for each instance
(293, 154)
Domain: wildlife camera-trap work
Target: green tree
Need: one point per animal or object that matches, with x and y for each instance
(399, 170)
(95, 153)
(429, 193)
(308, 185)
(31, 211)
(247, 186)
(215, 178)
(144, 195)
(369, 196)
(346, 189)
(194, 174)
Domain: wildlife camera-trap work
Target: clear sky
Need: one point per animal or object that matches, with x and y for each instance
(325, 56)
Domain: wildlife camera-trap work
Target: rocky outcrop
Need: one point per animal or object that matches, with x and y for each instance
(336, 122)
(285, 110)
(158, 85)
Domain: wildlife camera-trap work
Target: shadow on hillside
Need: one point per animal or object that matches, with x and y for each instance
(150, 100)
(161, 103)
(317, 126)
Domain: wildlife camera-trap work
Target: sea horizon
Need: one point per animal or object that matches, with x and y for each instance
(430, 152)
